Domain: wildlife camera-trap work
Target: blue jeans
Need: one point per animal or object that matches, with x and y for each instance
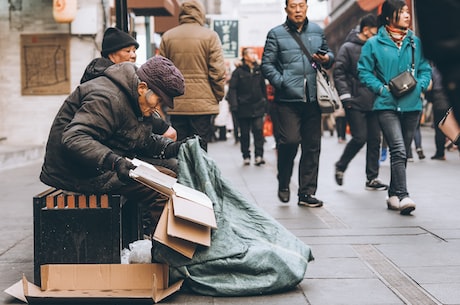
(398, 129)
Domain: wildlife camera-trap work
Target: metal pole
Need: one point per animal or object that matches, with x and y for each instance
(121, 11)
(147, 37)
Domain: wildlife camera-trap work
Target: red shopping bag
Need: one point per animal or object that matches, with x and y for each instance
(268, 126)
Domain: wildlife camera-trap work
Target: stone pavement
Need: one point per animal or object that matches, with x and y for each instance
(364, 253)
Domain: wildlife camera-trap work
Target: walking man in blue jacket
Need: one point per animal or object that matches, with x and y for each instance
(298, 115)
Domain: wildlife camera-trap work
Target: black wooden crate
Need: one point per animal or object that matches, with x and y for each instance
(72, 228)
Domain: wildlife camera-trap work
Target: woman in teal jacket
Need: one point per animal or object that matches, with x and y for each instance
(383, 57)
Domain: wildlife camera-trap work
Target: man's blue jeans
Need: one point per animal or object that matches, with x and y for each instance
(398, 128)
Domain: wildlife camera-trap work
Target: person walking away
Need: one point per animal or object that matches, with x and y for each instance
(118, 47)
(197, 52)
(247, 93)
(383, 57)
(358, 101)
(437, 97)
(298, 116)
(441, 43)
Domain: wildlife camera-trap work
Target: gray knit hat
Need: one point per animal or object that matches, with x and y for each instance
(163, 78)
(114, 40)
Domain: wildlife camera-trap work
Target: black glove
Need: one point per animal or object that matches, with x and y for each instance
(122, 167)
(119, 164)
(203, 143)
(172, 149)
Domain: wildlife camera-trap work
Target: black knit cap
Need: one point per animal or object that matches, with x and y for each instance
(163, 78)
(115, 39)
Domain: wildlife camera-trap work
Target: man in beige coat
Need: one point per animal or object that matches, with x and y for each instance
(197, 52)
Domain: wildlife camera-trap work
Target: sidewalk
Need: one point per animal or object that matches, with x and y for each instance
(364, 253)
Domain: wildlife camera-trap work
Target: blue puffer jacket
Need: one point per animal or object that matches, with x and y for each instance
(285, 65)
(381, 60)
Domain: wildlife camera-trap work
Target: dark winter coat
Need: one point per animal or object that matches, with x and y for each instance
(285, 65)
(97, 67)
(353, 93)
(99, 117)
(247, 93)
(437, 95)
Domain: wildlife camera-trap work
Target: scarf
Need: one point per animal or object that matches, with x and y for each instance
(396, 34)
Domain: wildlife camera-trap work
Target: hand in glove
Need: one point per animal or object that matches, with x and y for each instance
(172, 149)
(120, 165)
(203, 143)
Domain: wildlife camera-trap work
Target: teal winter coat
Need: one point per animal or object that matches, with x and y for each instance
(381, 60)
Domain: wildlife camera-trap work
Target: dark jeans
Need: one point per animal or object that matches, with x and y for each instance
(256, 126)
(189, 125)
(439, 137)
(364, 128)
(236, 126)
(298, 123)
(398, 129)
(341, 127)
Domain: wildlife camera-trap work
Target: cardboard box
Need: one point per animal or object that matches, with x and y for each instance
(188, 217)
(130, 283)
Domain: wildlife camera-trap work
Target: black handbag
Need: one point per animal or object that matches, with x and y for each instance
(404, 82)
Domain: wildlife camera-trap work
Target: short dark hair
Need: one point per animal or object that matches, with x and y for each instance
(369, 20)
(288, 1)
(389, 7)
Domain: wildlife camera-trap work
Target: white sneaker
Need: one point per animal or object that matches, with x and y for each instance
(406, 206)
(393, 203)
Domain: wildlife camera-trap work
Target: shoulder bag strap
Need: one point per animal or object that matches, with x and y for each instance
(302, 46)
(412, 45)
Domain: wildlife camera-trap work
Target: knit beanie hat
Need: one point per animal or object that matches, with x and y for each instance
(163, 78)
(114, 40)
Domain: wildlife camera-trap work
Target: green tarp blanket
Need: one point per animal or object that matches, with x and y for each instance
(250, 253)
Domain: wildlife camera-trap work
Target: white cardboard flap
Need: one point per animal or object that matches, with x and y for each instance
(193, 211)
(154, 179)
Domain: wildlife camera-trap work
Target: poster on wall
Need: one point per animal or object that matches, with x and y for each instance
(228, 33)
(45, 64)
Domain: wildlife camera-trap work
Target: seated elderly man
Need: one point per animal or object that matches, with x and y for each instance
(105, 120)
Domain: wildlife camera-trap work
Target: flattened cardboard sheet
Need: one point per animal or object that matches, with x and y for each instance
(93, 282)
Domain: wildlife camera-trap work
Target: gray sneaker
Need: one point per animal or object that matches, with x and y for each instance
(376, 185)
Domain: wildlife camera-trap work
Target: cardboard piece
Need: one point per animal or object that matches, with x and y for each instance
(97, 282)
(161, 235)
(188, 217)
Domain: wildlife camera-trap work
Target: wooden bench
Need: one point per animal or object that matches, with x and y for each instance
(76, 228)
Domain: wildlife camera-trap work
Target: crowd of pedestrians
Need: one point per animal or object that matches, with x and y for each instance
(150, 111)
